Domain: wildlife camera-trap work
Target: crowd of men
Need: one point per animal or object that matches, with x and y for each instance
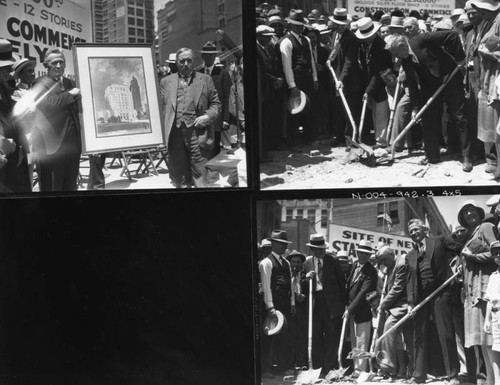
(388, 65)
(440, 286)
(40, 133)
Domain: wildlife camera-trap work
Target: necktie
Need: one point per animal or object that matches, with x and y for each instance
(356, 273)
(320, 271)
(207, 71)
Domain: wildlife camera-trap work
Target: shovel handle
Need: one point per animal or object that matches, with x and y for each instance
(422, 110)
(393, 110)
(344, 101)
(341, 341)
(362, 120)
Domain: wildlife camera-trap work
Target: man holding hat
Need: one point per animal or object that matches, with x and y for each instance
(276, 279)
(300, 72)
(362, 280)
(395, 303)
(428, 268)
(14, 175)
(328, 303)
(344, 61)
(374, 59)
(270, 83)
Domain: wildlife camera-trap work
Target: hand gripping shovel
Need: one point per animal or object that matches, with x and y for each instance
(417, 117)
(352, 140)
(309, 376)
(364, 376)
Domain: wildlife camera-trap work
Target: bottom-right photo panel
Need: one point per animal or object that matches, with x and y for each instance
(400, 290)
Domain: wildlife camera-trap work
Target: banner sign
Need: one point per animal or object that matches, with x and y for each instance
(433, 7)
(348, 238)
(33, 26)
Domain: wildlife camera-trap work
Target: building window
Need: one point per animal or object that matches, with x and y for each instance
(384, 210)
(131, 31)
(140, 32)
(140, 22)
(131, 21)
(324, 218)
(300, 213)
(393, 212)
(140, 13)
(289, 215)
(131, 39)
(130, 11)
(311, 216)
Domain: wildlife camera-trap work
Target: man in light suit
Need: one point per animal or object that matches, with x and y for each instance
(191, 105)
(56, 134)
(329, 300)
(428, 269)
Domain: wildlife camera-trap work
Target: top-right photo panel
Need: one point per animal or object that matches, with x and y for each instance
(374, 93)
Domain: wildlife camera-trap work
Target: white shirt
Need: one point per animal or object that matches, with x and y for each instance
(211, 68)
(266, 270)
(286, 49)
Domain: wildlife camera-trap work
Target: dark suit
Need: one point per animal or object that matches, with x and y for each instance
(418, 288)
(270, 99)
(186, 163)
(344, 61)
(437, 54)
(375, 61)
(56, 135)
(328, 307)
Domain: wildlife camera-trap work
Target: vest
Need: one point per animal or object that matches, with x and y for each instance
(301, 55)
(281, 279)
(186, 107)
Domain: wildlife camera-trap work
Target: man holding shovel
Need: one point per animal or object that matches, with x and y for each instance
(391, 355)
(428, 60)
(428, 269)
(328, 303)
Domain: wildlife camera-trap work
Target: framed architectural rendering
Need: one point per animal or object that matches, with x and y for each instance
(120, 98)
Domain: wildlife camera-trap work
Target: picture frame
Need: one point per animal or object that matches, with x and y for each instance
(120, 97)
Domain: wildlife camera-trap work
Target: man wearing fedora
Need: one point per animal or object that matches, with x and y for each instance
(14, 146)
(428, 268)
(297, 327)
(300, 73)
(276, 280)
(344, 61)
(374, 59)
(395, 306)
(329, 300)
(362, 280)
(222, 85)
(269, 85)
(428, 59)
(191, 105)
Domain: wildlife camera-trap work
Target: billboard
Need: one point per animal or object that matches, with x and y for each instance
(347, 238)
(33, 26)
(433, 7)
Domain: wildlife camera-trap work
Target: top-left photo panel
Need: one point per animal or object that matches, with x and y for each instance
(121, 95)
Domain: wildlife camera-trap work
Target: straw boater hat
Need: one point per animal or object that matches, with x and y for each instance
(279, 236)
(274, 325)
(171, 58)
(296, 17)
(444, 25)
(366, 28)
(397, 22)
(22, 64)
(365, 247)
(275, 20)
(6, 58)
(265, 243)
(295, 253)
(488, 5)
(461, 213)
(264, 30)
(495, 245)
(456, 13)
(209, 47)
(385, 17)
(322, 29)
(342, 255)
(464, 20)
(340, 16)
(318, 241)
(298, 104)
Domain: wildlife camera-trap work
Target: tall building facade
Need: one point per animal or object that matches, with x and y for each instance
(123, 21)
(191, 23)
(119, 98)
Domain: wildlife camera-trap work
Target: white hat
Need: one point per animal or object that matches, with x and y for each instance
(340, 16)
(265, 30)
(318, 241)
(366, 28)
(489, 5)
(364, 246)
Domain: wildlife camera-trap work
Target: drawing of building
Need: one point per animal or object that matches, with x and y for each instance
(120, 100)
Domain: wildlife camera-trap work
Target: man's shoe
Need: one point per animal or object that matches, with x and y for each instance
(417, 381)
(355, 374)
(467, 165)
(490, 168)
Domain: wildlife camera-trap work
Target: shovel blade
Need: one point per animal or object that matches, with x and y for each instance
(365, 377)
(308, 376)
(336, 374)
(358, 353)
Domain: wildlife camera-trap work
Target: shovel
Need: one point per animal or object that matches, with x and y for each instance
(393, 110)
(417, 117)
(309, 376)
(352, 140)
(337, 374)
(364, 376)
(363, 113)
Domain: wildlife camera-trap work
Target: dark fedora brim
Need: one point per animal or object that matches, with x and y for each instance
(296, 22)
(279, 240)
